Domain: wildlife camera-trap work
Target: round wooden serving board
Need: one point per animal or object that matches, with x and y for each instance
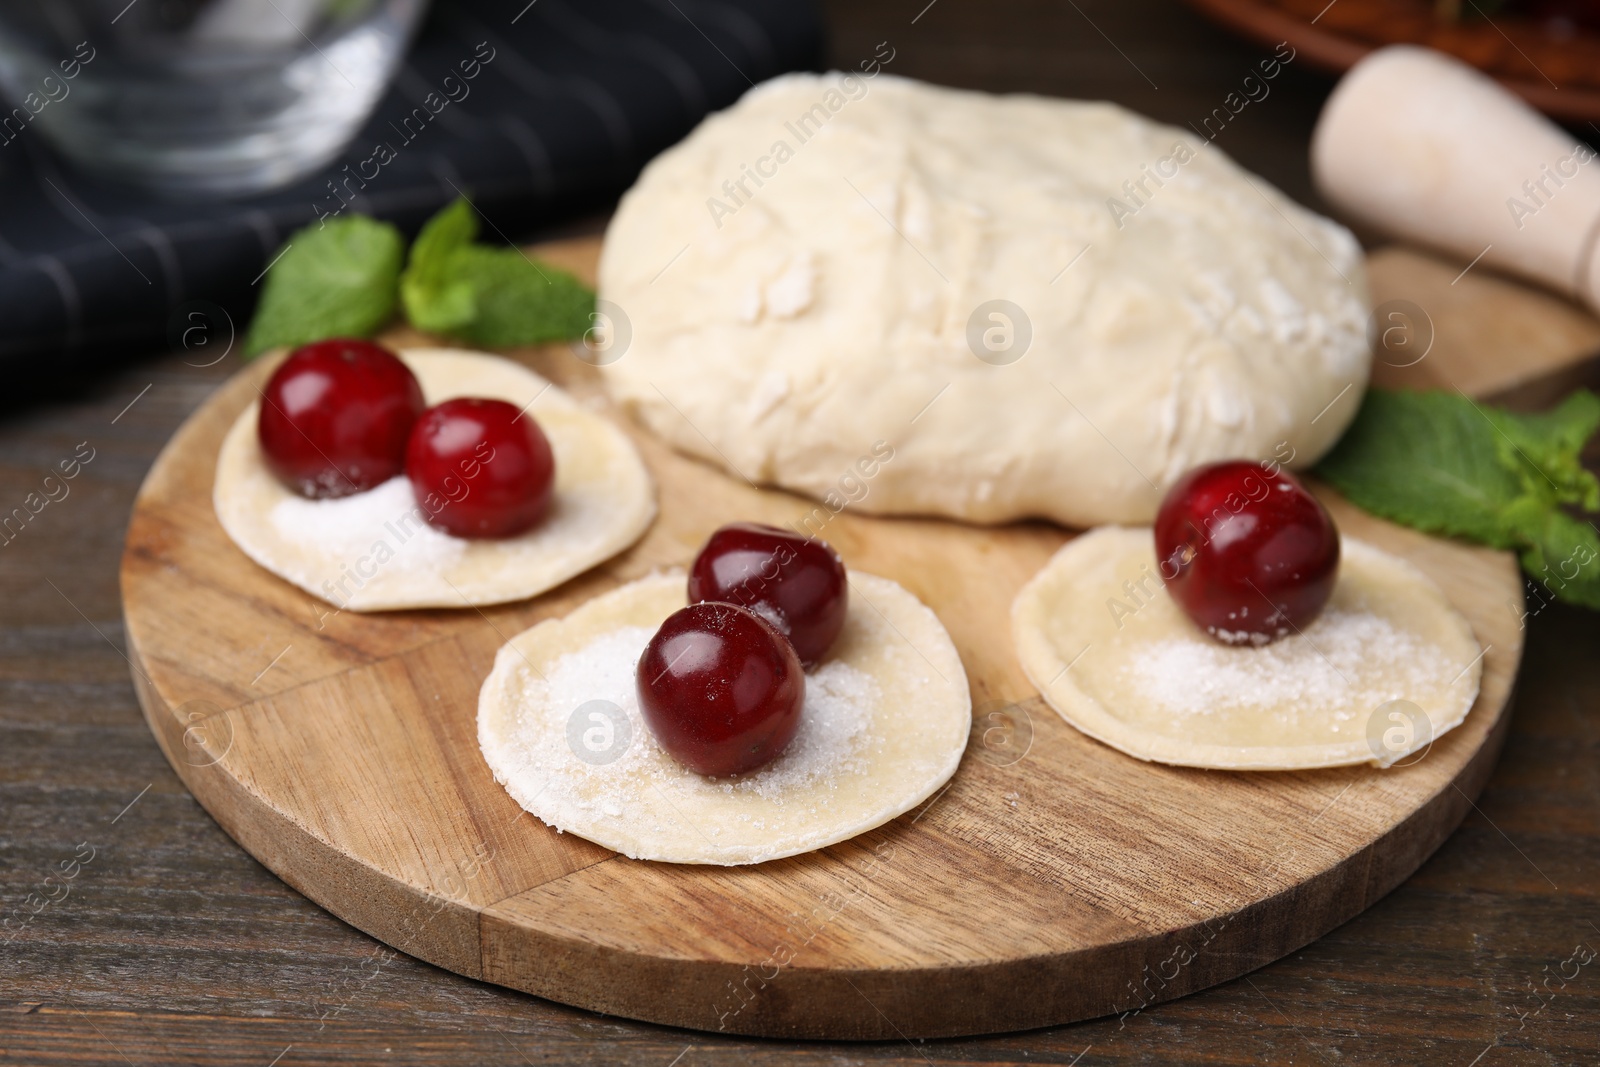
(1054, 879)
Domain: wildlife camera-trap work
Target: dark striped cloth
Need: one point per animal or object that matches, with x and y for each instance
(579, 95)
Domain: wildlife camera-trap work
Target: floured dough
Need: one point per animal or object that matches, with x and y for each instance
(833, 294)
(373, 551)
(1122, 663)
(886, 719)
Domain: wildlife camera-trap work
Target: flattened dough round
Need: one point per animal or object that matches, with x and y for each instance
(886, 719)
(834, 300)
(604, 500)
(1138, 675)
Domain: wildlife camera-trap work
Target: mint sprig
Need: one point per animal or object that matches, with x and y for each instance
(344, 279)
(1445, 464)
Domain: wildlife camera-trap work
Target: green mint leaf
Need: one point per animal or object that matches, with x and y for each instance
(432, 301)
(337, 279)
(1442, 463)
(455, 225)
(1430, 461)
(496, 297)
(1544, 449)
(519, 301)
(1564, 557)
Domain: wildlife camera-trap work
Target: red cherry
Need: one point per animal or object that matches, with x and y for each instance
(720, 689)
(335, 417)
(1249, 555)
(796, 583)
(480, 468)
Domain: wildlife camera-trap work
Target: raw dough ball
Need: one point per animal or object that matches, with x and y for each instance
(886, 719)
(373, 551)
(831, 295)
(1097, 633)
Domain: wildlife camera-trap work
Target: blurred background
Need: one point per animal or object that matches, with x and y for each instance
(157, 156)
(158, 153)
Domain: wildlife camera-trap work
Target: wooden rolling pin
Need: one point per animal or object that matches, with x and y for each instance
(1422, 146)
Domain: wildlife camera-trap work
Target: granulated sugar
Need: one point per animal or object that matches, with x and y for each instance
(833, 735)
(772, 615)
(1331, 665)
(601, 670)
(382, 524)
(838, 712)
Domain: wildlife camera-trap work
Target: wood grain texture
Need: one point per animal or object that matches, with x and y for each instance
(1469, 330)
(175, 946)
(1053, 880)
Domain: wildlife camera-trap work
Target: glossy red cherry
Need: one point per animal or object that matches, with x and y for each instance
(480, 468)
(335, 417)
(796, 583)
(1249, 555)
(720, 689)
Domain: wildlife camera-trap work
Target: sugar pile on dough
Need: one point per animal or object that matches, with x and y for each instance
(352, 527)
(834, 732)
(1349, 659)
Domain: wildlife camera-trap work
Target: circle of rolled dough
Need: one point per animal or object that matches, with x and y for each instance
(910, 732)
(1110, 650)
(604, 501)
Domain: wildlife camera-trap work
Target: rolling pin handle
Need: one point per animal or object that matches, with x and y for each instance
(1422, 146)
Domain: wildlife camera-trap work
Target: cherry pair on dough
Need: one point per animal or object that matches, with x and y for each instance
(343, 416)
(721, 684)
(379, 550)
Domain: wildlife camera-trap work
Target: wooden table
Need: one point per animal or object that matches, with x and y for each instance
(168, 944)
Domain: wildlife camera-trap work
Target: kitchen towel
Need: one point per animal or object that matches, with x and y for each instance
(577, 97)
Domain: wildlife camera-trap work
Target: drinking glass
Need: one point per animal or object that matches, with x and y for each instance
(212, 97)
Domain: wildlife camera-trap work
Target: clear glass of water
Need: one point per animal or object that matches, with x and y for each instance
(211, 97)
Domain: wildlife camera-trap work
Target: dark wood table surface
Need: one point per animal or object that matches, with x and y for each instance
(170, 945)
